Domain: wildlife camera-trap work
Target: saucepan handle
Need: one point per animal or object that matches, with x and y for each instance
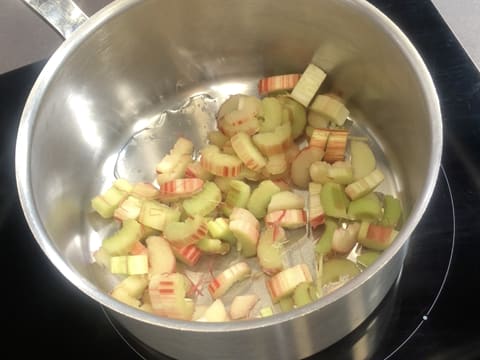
(63, 15)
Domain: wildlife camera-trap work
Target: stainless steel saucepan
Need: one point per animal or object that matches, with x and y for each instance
(118, 71)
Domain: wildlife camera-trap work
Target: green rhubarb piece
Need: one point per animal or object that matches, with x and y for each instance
(392, 211)
(341, 173)
(118, 265)
(272, 114)
(237, 196)
(156, 215)
(367, 207)
(260, 198)
(297, 115)
(334, 200)
(266, 311)
(336, 269)
(324, 244)
(286, 304)
(204, 202)
(106, 203)
(219, 229)
(213, 246)
(124, 239)
(303, 294)
(368, 257)
(269, 249)
(376, 237)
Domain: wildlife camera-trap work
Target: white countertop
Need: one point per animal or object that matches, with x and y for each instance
(25, 38)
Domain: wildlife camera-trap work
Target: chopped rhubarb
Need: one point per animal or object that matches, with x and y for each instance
(272, 114)
(124, 239)
(213, 246)
(273, 84)
(156, 215)
(330, 107)
(277, 164)
(237, 196)
(242, 305)
(367, 207)
(144, 191)
(247, 152)
(217, 138)
(334, 200)
(284, 283)
(195, 170)
(285, 200)
(303, 294)
(225, 280)
(308, 85)
(219, 163)
(324, 244)
(274, 142)
(219, 229)
(188, 232)
(160, 255)
(245, 227)
(269, 250)
(169, 162)
(129, 265)
(243, 117)
(344, 239)
(392, 211)
(336, 146)
(260, 198)
(133, 285)
(319, 138)
(301, 165)
(106, 203)
(216, 312)
(368, 257)
(295, 114)
(204, 202)
(362, 158)
(289, 219)
(128, 209)
(167, 296)
(315, 208)
(336, 269)
(179, 189)
(189, 254)
(376, 237)
(363, 186)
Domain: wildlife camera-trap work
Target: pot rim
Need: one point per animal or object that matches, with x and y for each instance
(23, 151)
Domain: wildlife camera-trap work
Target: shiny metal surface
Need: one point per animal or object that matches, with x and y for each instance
(63, 15)
(135, 59)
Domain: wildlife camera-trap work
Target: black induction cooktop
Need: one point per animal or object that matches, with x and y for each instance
(432, 312)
